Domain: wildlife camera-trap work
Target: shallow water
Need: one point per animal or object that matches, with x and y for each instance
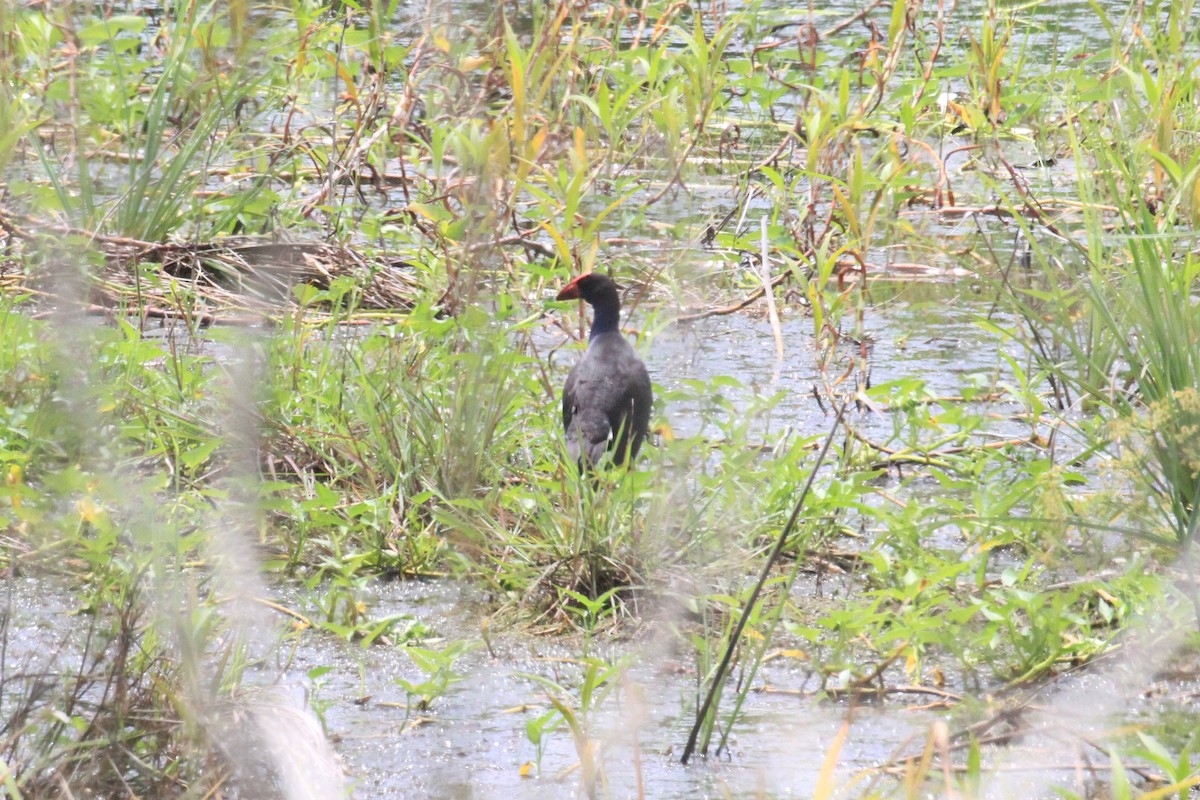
(473, 743)
(914, 331)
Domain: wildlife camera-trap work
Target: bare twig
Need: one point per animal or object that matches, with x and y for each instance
(718, 678)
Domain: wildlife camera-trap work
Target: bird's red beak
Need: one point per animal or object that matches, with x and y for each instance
(571, 290)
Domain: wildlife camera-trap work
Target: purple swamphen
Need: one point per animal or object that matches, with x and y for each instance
(606, 400)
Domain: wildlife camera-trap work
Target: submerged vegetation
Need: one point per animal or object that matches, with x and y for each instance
(276, 328)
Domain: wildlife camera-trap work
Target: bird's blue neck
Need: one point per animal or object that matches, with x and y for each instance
(605, 319)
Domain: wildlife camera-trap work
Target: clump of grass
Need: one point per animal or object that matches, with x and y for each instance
(1121, 335)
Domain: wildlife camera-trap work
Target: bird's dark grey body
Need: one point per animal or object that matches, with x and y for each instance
(606, 401)
(607, 398)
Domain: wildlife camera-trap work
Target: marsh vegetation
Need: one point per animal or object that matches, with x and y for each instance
(286, 508)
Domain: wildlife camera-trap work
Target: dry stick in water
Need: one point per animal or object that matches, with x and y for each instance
(719, 677)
